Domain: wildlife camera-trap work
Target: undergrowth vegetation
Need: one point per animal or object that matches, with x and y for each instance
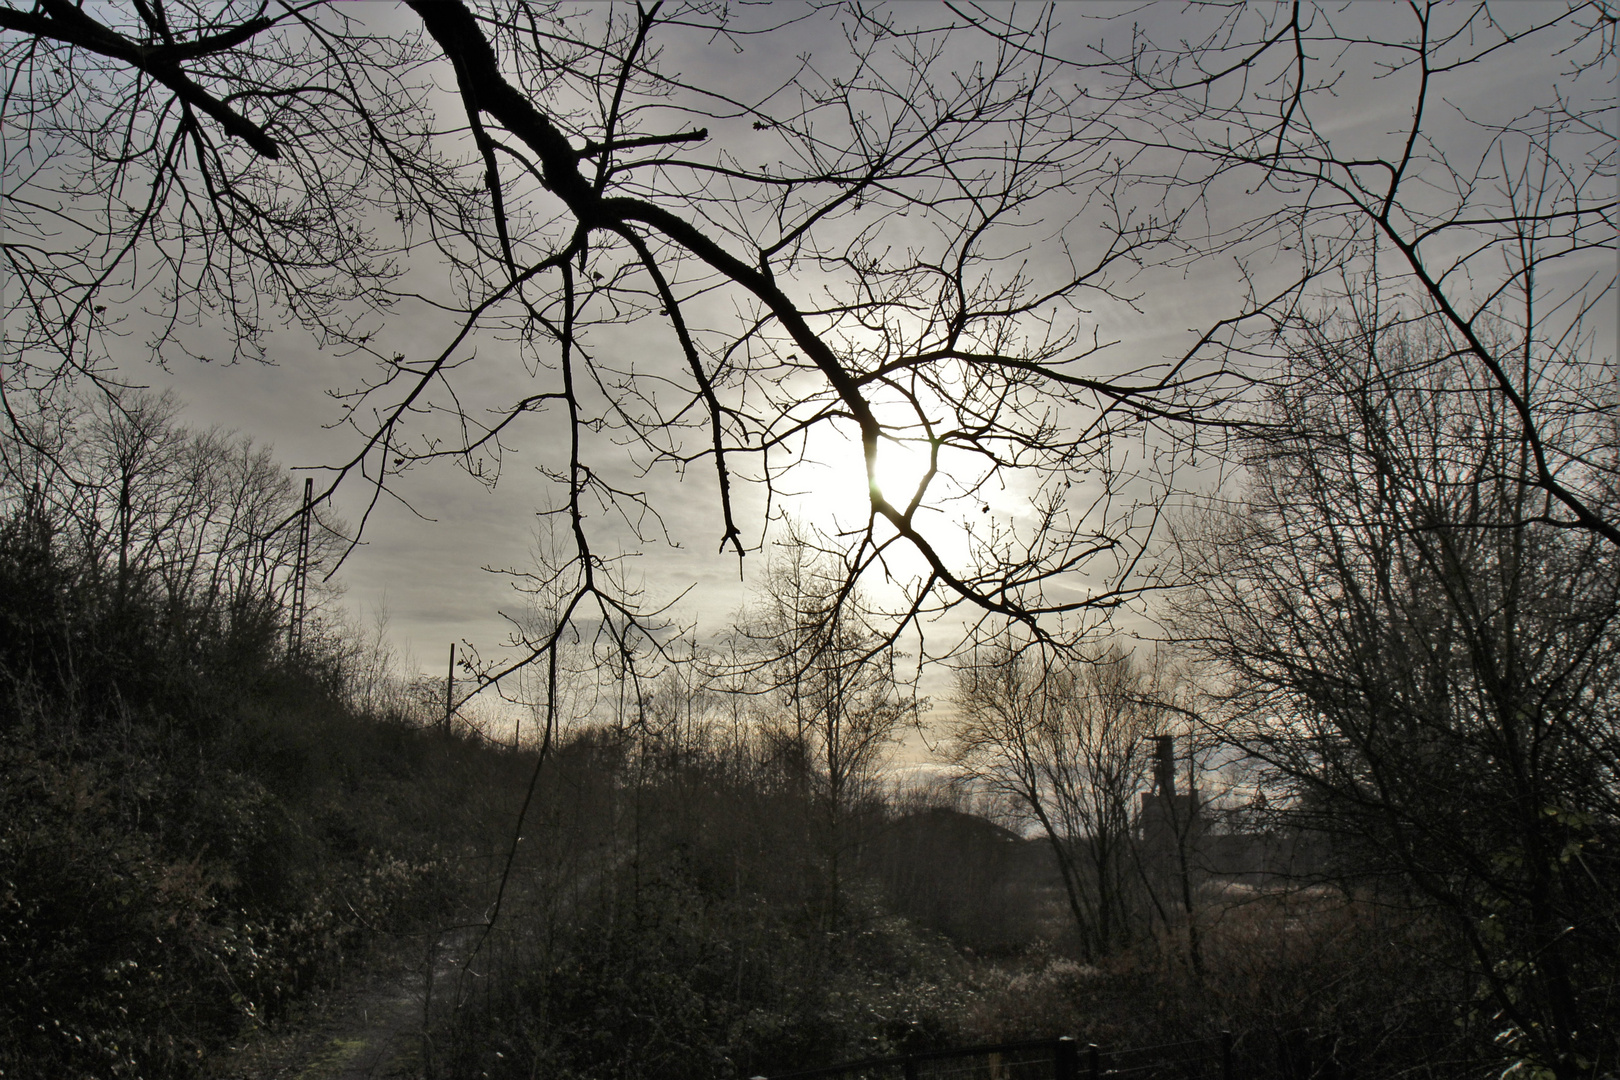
(187, 853)
(195, 827)
(667, 916)
(671, 918)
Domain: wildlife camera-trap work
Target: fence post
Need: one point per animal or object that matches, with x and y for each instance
(1066, 1059)
(909, 1066)
(1226, 1055)
(1093, 1061)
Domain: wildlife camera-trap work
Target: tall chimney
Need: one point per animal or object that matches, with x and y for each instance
(1165, 765)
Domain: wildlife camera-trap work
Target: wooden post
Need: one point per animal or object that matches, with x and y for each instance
(1093, 1061)
(1226, 1055)
(1066, 1060)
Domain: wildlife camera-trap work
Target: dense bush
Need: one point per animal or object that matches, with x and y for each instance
(666, 921)
(194, 828)
(694, 940)
(1312, 983)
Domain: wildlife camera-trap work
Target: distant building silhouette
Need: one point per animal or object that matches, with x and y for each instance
(1176, 832)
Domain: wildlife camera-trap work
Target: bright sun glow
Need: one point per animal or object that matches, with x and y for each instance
(900, 468)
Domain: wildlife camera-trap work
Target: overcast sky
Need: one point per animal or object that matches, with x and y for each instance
(430, 569)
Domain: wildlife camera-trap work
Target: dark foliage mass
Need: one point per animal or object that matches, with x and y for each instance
(194, 827)
(1425, 665)
(687, 932)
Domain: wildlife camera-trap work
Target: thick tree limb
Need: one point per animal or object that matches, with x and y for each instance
(162, 62)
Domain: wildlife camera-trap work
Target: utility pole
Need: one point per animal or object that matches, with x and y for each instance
(450, 687)
(300, 582)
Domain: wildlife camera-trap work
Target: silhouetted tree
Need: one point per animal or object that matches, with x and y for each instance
(1072, 742)
(1423, 652)
(834, 701)
(231, 168)
(175, 545)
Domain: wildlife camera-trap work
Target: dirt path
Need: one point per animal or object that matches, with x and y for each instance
(368, 1029)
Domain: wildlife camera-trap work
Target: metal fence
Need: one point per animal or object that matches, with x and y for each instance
(1189, 1059)
(1041, 1059)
